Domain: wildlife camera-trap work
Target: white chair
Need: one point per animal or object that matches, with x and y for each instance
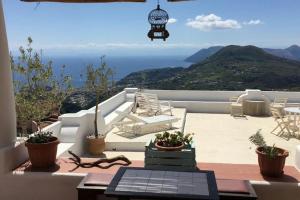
(149, 104)
(279, 104)
(236, 108)
(141, 125)
(283, 124)
(141, 100)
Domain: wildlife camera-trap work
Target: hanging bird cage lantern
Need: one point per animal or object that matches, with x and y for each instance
(158, 18)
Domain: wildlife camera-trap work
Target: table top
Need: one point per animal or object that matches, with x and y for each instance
(292, 110)
(162, 184)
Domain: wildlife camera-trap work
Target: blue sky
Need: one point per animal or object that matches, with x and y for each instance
(121, 28)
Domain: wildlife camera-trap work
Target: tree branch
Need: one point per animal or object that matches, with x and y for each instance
(111, 162)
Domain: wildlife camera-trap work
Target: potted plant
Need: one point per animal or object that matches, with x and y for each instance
(271, 159)
(98, 82)
(172, 141)
(42, 149)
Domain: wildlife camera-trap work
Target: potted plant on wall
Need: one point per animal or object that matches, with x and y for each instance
(271, 159)
(42, 149)
(172, 141)
(41, 145)
(98, 81)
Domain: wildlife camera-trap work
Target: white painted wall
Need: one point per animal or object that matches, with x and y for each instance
(216, 101)
(111, 104)
(8, 131)
(194, 95)
(297, 158)
(55, 128)
(293, 97)
(11, 153)
(218, 96)
(84, 121)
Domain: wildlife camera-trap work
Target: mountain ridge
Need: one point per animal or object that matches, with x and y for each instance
(292, 52)
(231, 68)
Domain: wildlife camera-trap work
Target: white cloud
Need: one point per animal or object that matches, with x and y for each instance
(172, 21)
(211, 22)
(253, 22)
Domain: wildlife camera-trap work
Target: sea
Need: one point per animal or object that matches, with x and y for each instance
(122, 66)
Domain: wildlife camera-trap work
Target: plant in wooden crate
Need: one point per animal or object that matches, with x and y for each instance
(174, 151)
(172, 141)
(42, 149)
(271, 159)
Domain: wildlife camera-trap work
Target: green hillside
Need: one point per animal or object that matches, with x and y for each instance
(231, 68)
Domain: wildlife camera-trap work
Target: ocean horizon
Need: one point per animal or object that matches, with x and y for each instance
(123, 66)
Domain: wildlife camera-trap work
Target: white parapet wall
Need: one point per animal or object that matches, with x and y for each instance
(216, 101)
(297, 157)
(74, 127)
(198, 101)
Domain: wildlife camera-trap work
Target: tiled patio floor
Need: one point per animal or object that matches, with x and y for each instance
(221, 138)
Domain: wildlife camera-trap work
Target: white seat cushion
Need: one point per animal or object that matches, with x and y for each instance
(159, 118)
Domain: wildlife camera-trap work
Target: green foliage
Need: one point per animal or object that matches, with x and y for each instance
(258, 140)
(173, 139)
(37, 92)
(99, 80)
(40, 137)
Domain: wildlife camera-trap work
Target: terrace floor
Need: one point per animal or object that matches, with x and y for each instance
(221, 138)
(221, 145)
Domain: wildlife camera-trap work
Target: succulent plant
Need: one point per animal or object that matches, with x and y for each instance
(173, 139)
(41, 137)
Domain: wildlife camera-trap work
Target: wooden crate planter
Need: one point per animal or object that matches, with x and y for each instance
(183, 160)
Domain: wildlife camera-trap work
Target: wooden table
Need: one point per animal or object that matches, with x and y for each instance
(254, 107)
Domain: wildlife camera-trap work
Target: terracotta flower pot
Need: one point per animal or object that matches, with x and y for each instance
(96, 146)
(272, 167)
(162, 148)
(42, 155)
